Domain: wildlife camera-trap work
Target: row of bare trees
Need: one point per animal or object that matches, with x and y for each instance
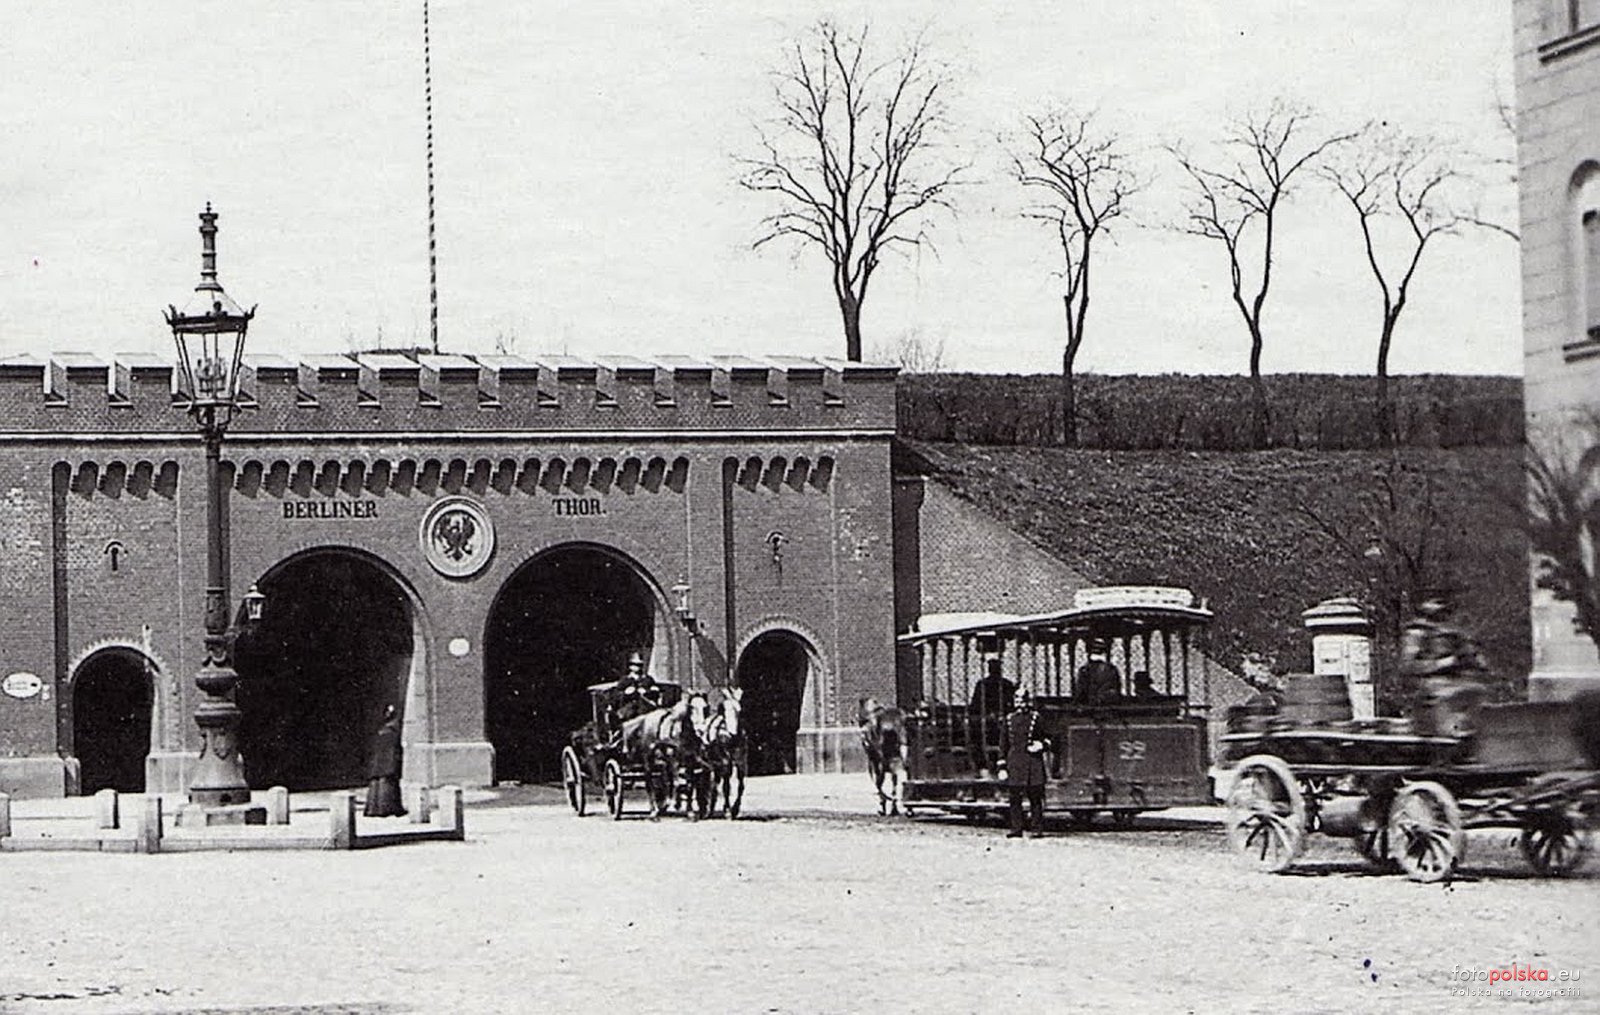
(859, 162)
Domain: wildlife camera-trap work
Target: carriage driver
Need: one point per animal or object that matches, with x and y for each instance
(1432, 646)
(637, 691)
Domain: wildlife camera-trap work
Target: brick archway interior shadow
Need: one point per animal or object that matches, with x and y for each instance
(111, 702)
(772, 671)
(567, 619)
(333, 648)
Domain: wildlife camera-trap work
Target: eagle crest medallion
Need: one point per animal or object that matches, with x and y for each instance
(457, 537)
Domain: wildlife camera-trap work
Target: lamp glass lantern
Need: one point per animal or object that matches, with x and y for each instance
(254, 603)
(684, 611)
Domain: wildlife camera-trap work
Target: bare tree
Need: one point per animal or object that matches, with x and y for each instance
(1564, 524)
(1502, 165)
(1083, 175)
(1259, 156)
(913, 352)
(1389, 177)
(852, 159)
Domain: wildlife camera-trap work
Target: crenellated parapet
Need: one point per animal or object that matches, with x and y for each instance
(402, 393)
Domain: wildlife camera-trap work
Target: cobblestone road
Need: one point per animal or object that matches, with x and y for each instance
(806, 912)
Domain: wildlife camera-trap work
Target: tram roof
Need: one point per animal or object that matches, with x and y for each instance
(1110, 612)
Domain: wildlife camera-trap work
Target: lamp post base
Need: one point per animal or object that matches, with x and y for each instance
(219, 796)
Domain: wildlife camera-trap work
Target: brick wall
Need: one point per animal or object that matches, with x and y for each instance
(98, 458)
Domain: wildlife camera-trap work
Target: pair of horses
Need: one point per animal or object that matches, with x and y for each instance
(883, 738)
(693, 754)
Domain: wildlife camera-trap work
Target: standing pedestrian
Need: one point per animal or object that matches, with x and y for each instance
(1023, 745)
(383, 772)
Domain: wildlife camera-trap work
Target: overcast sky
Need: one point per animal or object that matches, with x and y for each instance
(586, 178)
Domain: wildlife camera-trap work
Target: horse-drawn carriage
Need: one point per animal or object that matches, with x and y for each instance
(684, 754)
(1134, 739)
(1405, 791)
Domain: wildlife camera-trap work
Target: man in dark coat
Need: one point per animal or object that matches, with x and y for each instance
(1097, 680)
(1432, 646)
(1438, 661)
(1023, 744)
(637, 691)
(994, 695)
(383, 772)
(992, 700)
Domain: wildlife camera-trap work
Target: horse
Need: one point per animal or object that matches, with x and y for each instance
(667, 741)
(883, 737)
(725, 753)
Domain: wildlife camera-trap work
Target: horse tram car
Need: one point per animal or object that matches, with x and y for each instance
(684, 755)
(1406, 790)
(1119, 681)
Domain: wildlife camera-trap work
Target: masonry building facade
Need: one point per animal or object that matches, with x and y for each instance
(1557, 57)
(474, 540)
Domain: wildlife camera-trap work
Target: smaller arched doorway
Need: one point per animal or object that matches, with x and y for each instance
(774, 671)
(112, 696)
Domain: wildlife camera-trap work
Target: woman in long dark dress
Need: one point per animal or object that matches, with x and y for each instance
(383, 787)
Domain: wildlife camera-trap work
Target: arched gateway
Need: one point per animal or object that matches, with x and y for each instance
(567, 618)
(335, 646)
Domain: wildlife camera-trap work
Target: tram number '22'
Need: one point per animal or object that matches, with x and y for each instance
(1130, 750)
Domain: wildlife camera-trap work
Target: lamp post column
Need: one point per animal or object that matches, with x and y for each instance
(219, 773)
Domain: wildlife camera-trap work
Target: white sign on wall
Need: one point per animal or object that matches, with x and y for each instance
(21, 685)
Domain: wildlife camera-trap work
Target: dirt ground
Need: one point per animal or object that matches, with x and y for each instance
(821, 909)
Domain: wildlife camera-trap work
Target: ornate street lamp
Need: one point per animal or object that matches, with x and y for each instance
(210, 333)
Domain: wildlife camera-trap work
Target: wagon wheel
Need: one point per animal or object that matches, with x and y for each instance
(1081, 818)
(1425, 831)
(1123, 819)
(612, 784)
(1266, 813)
(1553, 845)
(572, 781)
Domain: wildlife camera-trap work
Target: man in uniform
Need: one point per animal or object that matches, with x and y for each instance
(1023, 745)
(1097, 680)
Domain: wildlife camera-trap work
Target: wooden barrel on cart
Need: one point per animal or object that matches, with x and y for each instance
(1316, 698)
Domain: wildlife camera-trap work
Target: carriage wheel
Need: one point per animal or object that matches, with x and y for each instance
(1266, 813)
(1081, 818)
(612, 784)
(1123, 819)
(1553, 845)
(572, 781)
(1425, 831)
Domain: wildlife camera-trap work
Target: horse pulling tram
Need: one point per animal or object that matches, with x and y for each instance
(1405, 791)
(1119, 749)
(684, 754)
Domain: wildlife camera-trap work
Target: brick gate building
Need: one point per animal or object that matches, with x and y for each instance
(472, 540)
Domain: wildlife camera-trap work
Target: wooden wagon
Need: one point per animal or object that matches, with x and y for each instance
(1405, 791)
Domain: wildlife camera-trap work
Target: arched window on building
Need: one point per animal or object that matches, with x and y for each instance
(1585, 214)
